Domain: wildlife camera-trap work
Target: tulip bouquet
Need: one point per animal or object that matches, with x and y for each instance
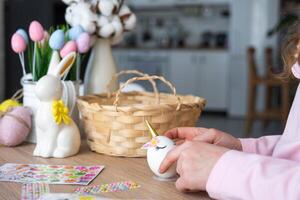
(46, 48)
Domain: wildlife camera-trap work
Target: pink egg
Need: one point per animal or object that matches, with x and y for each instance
(68, 48)
(36, 31)
(13, 131)
(83, 43)
(18, 43)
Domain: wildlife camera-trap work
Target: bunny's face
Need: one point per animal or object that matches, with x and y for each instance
(49, 88)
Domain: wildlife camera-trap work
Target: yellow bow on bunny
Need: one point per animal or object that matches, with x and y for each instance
(60, 112)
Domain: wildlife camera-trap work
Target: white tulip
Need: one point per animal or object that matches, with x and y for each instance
(106, 7)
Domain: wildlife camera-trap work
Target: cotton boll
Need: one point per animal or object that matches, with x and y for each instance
(102, 21)
(106, 31)
(124, 10)
(106, 7)
(68, 2)
(130, 23)
(81, 14)
(117, 26)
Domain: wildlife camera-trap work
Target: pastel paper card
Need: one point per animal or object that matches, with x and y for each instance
(51, 174)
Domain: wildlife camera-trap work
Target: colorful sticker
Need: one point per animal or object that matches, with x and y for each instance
(51, 174)
(33, 191)
(70, 196)
(152, 143)
(108, 187)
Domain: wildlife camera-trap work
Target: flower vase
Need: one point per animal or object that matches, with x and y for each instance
(100, 69)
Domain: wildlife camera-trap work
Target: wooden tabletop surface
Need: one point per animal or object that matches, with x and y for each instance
(116, 169)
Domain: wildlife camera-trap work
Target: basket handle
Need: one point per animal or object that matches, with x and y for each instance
(115, 76)
(147, 78)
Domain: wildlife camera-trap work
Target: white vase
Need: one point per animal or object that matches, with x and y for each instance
(100, 69)
(70, 91)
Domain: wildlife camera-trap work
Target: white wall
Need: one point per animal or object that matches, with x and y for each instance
(260, 16)
(2, 58)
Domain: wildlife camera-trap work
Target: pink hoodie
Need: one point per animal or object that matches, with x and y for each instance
(268, 167)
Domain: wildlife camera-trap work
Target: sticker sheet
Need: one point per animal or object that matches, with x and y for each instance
(66, 196)
(108, 187)
(33, 191)
(51, 174)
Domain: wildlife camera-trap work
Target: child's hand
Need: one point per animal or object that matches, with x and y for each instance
(195, 161)
(212, 136)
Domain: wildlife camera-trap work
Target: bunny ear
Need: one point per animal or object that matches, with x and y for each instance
(64, 66)
(55, 60)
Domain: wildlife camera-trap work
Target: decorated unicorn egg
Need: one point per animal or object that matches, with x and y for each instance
(157, 150)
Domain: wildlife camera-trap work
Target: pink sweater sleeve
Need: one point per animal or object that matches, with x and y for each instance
(263, 145)
(239, 175)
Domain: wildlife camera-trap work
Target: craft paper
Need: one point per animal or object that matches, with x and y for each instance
(33, 191)
(110, 187)
(51, 174)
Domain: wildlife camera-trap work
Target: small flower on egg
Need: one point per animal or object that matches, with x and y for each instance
(60, 113)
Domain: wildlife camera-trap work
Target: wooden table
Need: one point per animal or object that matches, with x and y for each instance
(116, 169)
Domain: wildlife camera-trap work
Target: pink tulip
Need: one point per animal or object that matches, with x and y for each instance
(36, 31)
(68, 48)
(18, 43)
(83, 42)
(45, 38)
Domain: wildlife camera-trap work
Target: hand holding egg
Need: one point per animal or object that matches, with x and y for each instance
(157, 150)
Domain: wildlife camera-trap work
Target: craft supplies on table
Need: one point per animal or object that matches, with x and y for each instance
(70, 196)
(33, 191)
(114, 123)
(51, 174)
(108, 187)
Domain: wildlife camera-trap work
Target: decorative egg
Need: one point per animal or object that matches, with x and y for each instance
(23, 33)
(83, 43)
(69, 47)
(57, 40)
(18, 43)
(36, 31)
(157, 150)
(75, 32)
(15, 126)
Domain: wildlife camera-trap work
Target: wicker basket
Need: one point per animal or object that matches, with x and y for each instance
(114, 123)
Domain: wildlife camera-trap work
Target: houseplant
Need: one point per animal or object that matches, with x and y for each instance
(106, 20)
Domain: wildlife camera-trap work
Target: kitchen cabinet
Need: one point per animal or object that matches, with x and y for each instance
(197, 72)
(202, 73)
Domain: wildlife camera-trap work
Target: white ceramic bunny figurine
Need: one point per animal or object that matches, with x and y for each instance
(57, 134)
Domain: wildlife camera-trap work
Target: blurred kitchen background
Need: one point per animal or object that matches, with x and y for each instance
(199, 45)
